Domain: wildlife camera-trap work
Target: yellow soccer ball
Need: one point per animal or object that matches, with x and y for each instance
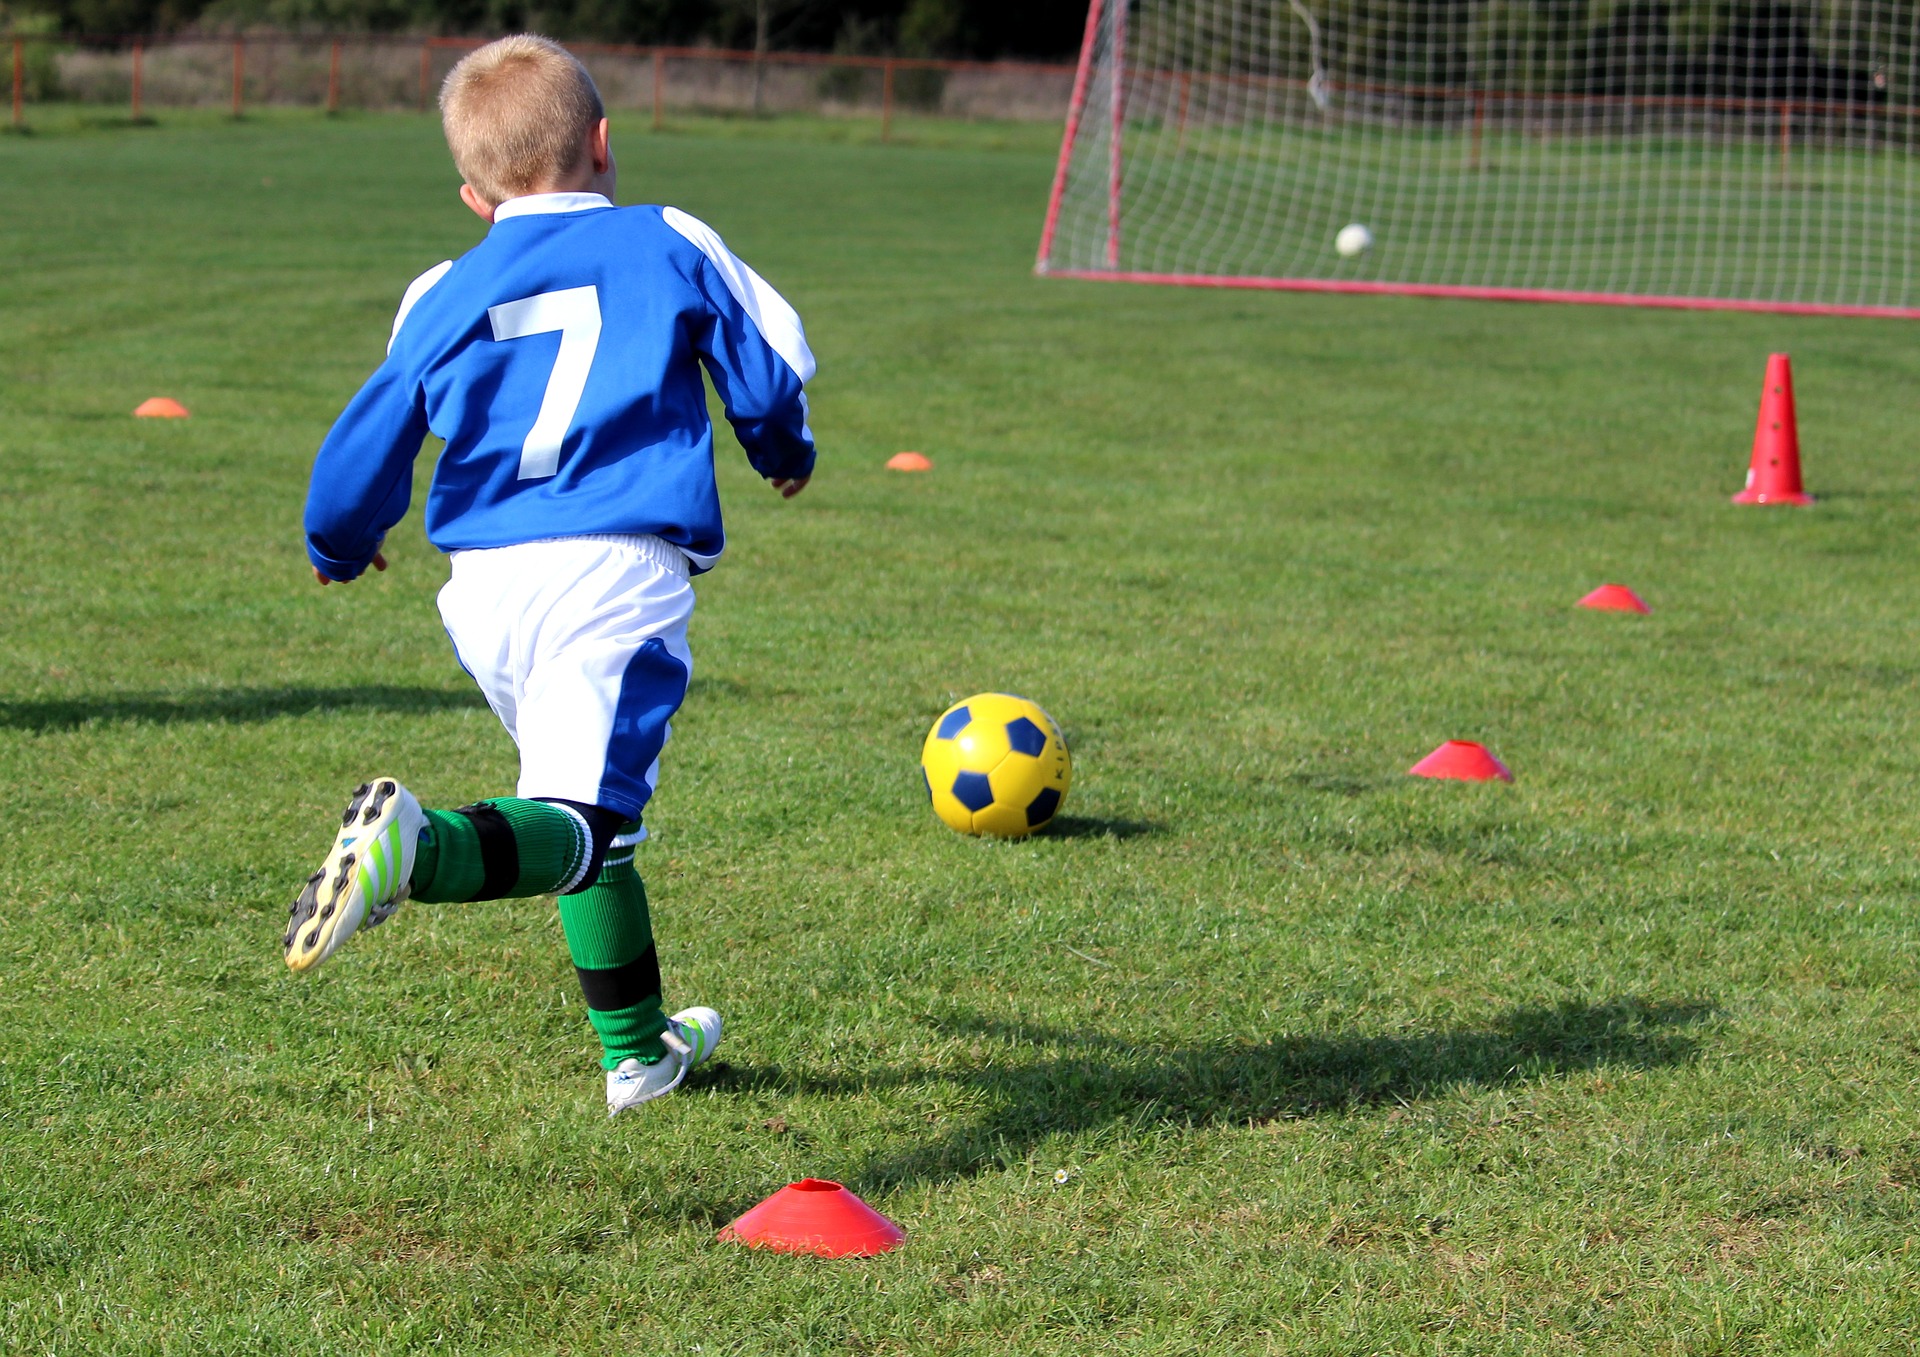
(996, 764)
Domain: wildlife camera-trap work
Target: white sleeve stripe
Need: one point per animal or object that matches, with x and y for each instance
(778, 322)
(417, 289)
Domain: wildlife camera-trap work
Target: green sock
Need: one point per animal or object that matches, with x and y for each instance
(610, 937)
(446, 865)
(497, 850)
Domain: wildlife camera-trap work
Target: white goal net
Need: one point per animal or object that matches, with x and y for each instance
(1728, 153)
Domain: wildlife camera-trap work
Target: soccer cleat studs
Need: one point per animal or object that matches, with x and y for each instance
(365, 875)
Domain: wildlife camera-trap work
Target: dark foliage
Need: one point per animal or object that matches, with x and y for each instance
(1044, 29)
(1743, 49)
(1759, 51)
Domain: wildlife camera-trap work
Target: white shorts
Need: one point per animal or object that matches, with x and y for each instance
(580, 645)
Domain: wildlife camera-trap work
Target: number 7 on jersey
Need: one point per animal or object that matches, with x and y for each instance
(575, 313)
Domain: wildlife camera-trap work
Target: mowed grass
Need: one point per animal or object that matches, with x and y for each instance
(1665, 214)
(1620, 1058)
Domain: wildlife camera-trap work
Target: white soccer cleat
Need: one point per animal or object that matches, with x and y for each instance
(365, 876)
(690, 1037)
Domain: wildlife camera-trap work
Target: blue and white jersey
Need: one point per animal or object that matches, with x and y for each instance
(560, 361)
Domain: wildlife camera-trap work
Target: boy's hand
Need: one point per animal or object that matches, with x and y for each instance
(379, 563)
(788, 488)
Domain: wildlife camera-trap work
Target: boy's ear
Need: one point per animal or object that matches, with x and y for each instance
(600, 147)
(481, 207)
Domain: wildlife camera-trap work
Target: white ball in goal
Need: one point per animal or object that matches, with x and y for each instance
(1353, 241)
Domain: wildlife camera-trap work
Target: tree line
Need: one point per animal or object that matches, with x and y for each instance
(979, 29)
(1856, 51)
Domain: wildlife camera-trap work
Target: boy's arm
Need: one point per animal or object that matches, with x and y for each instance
(756, 352)
(363, 477)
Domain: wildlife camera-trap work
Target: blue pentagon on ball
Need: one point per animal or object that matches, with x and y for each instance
(1043, 806)
(1025, 737)
(952, 723)
(973, 790)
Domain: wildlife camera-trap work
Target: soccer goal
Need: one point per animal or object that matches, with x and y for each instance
(1735, 154)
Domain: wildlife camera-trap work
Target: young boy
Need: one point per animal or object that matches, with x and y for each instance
(560, 361)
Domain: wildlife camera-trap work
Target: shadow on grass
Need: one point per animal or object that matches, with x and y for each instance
(718, 686)
(1097, 827)
(226, 704)
(1338, 784)
(1063, 1082)
(113, 122)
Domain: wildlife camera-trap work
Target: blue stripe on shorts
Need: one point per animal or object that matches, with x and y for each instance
(651, 691)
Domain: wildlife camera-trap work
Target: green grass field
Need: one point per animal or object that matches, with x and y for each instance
(1664, 213)
(1621, 1058)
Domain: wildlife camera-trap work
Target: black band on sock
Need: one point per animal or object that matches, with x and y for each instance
(499, 853)
(602, 826)
(619, 987)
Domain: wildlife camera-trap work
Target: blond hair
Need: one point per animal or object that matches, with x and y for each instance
(516, 112)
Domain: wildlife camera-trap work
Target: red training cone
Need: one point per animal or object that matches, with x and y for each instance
(160, 407)
(816, 1216)
(1773, 476)
(909, 461)
(1464, 761)
(1615, 598)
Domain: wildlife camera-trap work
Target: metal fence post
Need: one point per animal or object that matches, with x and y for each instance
(239, 72)
(886, 100)
(659, 88)
(19, 83)
(333, 79)
(139, 52)
(426, 71)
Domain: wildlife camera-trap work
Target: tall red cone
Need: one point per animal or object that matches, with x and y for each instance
(816, 1216)
(1773, 476)
(1463, 761)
